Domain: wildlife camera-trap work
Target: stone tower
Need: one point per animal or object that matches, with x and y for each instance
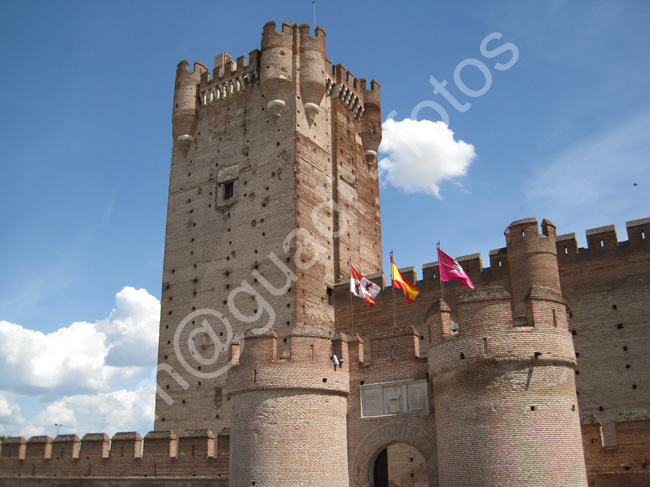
(503, 382)
(273, 191)
(289, 414)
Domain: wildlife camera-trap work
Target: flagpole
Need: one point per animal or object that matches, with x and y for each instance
(351, 307)
(442, 289)
(393, 288)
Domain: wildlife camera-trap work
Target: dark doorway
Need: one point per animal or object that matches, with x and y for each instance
(381, 469)
(399, 465)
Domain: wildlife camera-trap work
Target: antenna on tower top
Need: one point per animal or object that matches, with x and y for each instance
(314, 2)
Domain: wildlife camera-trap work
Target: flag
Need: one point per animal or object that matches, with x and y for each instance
(362, 287)
(398, 281)
(450, 270)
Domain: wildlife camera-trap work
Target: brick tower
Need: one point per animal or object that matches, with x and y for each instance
(273, 190)
(504, 387)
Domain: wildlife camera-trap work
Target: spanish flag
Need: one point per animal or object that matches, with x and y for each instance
(398, 281)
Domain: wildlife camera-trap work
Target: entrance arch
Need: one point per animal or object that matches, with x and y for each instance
(400, 465)
(379, 439)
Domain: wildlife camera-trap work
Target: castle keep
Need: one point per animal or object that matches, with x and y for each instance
(269, 376)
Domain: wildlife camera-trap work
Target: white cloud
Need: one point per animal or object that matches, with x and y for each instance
(132, 328)
(420, 155)
(83, 357)
(120, 410)
(9, 413)
(76, 375)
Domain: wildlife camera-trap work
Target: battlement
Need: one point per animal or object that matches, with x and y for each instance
(566, 245)
(486, 333)
(307, 364)
(229, 78)
(166, 455)
(352, 92)
(603, 241)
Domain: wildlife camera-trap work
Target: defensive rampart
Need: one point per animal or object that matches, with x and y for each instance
(194, 455)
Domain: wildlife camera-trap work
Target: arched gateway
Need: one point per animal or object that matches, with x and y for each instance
(375, 442)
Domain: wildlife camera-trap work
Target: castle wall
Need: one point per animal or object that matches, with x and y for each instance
(98, 459)
(607, 286)
(592, 281)
(113, 483)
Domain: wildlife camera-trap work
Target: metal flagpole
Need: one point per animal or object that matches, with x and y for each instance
(314, 2)
(442, 288)
(393, 288)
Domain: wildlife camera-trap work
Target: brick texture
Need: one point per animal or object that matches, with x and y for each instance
(536, 377)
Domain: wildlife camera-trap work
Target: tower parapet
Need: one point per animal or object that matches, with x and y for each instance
(186, 103)
(313, 79)
(289, 408)
(504, 388)
(228, 78)
(276, 68)
(532, 259)
(371, 121)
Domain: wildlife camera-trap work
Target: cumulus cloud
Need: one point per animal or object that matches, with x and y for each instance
(77, 376)
(83, 357)
(10, 415)
(420, 155)
(121, 410)
(132, 328)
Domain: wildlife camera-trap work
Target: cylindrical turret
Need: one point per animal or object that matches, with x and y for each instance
(532, 259)
(276, 66)
(505, 401)
(313, 80)
(186, 102)
(288, 424)
(371, 122)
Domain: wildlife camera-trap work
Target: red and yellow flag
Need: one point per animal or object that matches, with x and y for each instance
(398, 281)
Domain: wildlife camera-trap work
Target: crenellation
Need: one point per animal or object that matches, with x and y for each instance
(602, 239)
(95, 445)
(638, 231)
(66, 447)
(396, 344)
(14, 447)
(165, 456)
(126, 444)
(409, 273)
(160, 444)
(39, 447)
(196, 443)
(567, 246)
(472, 263)
(431, 271)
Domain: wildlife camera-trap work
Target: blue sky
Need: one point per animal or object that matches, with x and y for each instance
(85, 128)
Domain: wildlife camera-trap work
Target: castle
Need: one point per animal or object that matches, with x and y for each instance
(538, 377)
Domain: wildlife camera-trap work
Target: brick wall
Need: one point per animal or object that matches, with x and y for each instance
(289, 414)
(96, 456)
